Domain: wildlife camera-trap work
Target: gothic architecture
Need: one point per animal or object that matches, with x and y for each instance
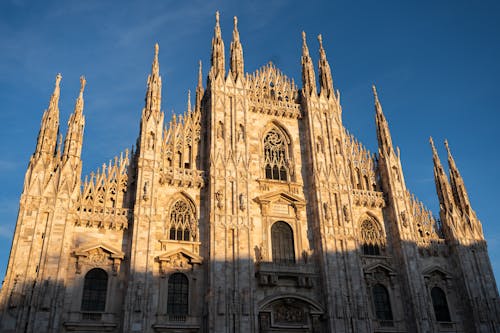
(254, 211)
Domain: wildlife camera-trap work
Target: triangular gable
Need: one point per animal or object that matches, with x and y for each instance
(114, 253)
(375, 267)
(193, 257)
(432, 269)
(280, 195)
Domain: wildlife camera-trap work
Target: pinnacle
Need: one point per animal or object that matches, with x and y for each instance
(83, 82)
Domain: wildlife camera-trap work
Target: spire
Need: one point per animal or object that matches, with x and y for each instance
(49, 128)
(308, 76)
(189, 101)
(199, 89)
(383, 133)
(153, 94)
(442, 186)
(457, 183)
(236, 52)
(76, 123)
(324, 71)
(218, 62)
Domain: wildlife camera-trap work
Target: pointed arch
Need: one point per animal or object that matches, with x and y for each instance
(372, 236)
(276, 144)
(181, 222)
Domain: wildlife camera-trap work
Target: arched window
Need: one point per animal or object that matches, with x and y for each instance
(282, 243)
(276, 162)
(371, 237)
(94, 290)
(381, 302)
(440, 304)
(178, 294)
(182, 224)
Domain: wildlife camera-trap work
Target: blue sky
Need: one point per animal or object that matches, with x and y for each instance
(435, 63)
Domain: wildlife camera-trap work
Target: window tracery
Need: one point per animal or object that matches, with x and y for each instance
(276, 160)
(182, 224)
(371, 237)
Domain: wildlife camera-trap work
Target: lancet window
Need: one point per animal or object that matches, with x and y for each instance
(382, 302)
(440, 304)
(94, 291)
(282, 243)
(276, 158)
(178, 295)
(182, 223)
(371, 237)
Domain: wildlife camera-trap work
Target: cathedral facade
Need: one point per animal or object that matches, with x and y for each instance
(254, 211)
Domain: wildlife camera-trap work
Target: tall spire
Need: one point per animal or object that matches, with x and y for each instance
(236, 52)
(383, 133)
(49, 128)
(153, 94)
(199, 89)
(218, 62)
(457, 183)
(76, 123)
(442, 186)
(308, 76)
(324, 71)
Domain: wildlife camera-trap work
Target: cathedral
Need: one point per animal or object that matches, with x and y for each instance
(254, 211)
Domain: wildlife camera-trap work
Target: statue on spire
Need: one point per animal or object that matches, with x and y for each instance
(236, 52)
(308, 76)
(324, 71)
(217, 58)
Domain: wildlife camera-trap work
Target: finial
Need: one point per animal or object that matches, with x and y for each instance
(200, 74)
(217, 17)
(304, 37)
(157, 50)
(320, 40)
(189, 101)
(446, 145)
(235, 20)
(58, 79)
(374, 89)
(83, 82)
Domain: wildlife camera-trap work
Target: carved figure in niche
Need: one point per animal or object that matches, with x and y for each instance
(220, 130)
(138, 297)
(258, 253)
(145, 191)
(347, 213)
(305, 256)
(219, 198)
(404, 218)
(320, 145)
(241, 133)
(327, 212)
(151, 141)
(242, 200)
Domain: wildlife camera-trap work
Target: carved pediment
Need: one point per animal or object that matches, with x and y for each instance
(378, 267)
(178, 259)
(379, 273)
(280, 203)
(436, 270)
(98, 255)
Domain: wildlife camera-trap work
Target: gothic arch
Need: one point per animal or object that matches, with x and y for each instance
(181, 222)
(371, 235)
(277, 156)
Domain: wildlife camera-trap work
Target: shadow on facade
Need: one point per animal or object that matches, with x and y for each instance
(343, 291)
